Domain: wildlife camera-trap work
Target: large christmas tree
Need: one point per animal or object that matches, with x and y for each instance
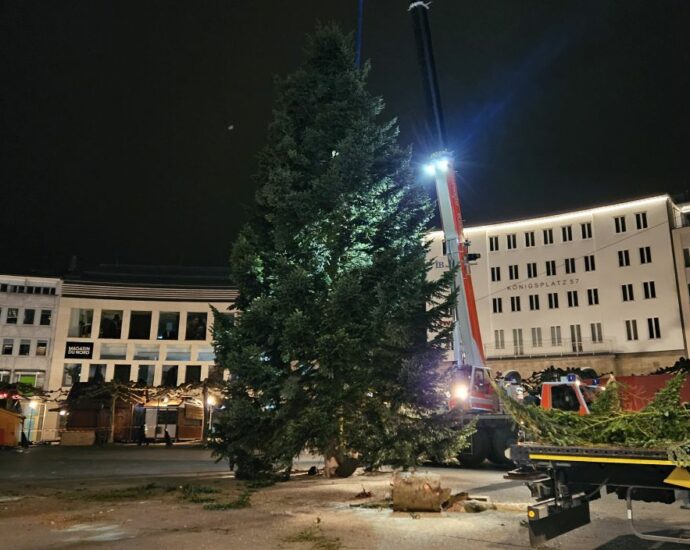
(330, 350)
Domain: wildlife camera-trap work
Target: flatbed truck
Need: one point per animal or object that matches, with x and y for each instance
(564, 480)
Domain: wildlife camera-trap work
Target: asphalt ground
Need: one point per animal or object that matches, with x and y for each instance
(49, 499)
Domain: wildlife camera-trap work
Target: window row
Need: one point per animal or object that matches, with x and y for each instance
(549, 269)
(194, 324)
(628, 295)
(653, 329)
(170, 375)
(620, 223)
(554, 338)
(24, 347)
(645, 256)
(572, 296)
(566, 233)
(153, 352)
(29, 377)
(27, 289)
(530, 239)
(26, 316)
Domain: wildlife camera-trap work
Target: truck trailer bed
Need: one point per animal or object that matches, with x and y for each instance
(564, 480)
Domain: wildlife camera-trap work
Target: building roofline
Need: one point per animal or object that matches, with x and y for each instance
(562, 216)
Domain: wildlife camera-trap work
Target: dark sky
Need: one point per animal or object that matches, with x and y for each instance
(114, 115)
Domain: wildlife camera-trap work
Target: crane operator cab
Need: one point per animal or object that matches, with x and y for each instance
(570, 394)
(471, 390)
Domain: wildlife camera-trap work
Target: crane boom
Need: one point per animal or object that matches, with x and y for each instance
(467, 340)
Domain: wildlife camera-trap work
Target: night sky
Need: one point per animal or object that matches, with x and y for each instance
(114, 116)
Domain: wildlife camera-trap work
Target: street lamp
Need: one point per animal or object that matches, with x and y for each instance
(210, 401)
(33, 405)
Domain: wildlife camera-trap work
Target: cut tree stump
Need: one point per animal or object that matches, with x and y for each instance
(418, 492)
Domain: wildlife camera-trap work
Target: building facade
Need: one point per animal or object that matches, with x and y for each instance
(150, 333)
(598, 287)
(28, 306)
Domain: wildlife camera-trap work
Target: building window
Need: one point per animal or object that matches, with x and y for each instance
(536, 337)
(550, 268)
(532, 270)
(46, 317)
(556, 339)
(499, 339)
(593, 296)
(12, 315)
(515, 303)
(534, 302)
(33, 378)
(654, 328)
(497, 305)
(169, 378)
(168, 325)
(29, 316)
(7, 346)
(518, 347)
(192, 374)
(113, 351)
(80, 323)
(631, 329)
(645, 255)
(140, 325)
(495, 274)
(493, 244)
(215, 373)
(205, 354)
(178, 353)
(41, 348)
(548, 236)
(4, 376)
(597, 337)
(623, 258)
(513, 272)
(111, 324)
(567, 233)
(649, 289)
(627, 290)
(586, 229)
(570, 265)
(589, 263)
(619, 223)
(553, 300)
(97, 374)
(196, 326)
(71, 373)
(511, 241)
(572, 298)
(24, 347)
(146, 353)
(686, 256)
(576, 338)
(529, 239)
(145, 375)
(122, 373)
(641, 220)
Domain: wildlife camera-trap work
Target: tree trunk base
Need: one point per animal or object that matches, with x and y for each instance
(418, 492)
(339, 465)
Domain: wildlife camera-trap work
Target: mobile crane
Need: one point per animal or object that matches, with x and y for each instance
(471, 389)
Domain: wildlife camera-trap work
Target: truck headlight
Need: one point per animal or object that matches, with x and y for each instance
(460, 392)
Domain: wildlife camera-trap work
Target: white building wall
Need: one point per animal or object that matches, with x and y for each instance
(607, 277)
(27, 345)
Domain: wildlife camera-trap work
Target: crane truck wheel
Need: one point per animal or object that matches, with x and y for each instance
(477, 452)
(501, 440)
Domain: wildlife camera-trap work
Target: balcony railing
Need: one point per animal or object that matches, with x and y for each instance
(550, 348)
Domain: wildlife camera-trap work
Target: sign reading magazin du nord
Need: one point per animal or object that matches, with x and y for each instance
(79, 350)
